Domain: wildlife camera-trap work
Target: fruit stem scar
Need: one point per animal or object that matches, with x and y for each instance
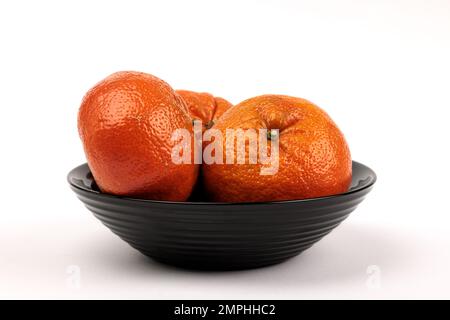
(271, 134)
(209, 124)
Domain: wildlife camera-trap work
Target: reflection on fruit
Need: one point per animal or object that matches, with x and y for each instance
(204, 106)
(126, 123)
(314, 159)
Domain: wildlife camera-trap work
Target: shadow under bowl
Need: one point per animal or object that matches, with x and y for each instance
(221, 236)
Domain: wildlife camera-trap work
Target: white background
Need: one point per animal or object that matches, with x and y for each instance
(381, 69)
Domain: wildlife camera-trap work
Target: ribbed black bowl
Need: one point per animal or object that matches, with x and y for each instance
(224, 236)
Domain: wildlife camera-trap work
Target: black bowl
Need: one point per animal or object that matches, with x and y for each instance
(221, 236)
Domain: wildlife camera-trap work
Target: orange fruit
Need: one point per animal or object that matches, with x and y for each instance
(126, 123)
(314, 159)
(204, 106)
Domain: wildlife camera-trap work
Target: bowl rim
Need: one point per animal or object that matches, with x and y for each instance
(203, 203)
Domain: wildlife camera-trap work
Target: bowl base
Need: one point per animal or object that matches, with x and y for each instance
(218, 266)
